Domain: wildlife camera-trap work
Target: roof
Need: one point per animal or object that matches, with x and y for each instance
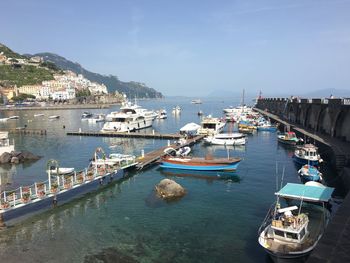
(190, 127)
(306, 192)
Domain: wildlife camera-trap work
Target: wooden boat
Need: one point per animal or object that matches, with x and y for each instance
(293, 232)
(307, 154)
(289, 138)
(200, 164)
(310, 173)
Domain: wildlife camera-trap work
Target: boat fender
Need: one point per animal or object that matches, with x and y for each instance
(320, 161)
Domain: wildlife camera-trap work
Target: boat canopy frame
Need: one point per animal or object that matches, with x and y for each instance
(305, 192)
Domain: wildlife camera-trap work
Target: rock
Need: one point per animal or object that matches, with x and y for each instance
(29, 156)
(15, 154)
(5, 157)
(15, 160)
(169, 189)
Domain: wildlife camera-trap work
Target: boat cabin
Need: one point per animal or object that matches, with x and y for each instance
(308, 151)
(288, 227)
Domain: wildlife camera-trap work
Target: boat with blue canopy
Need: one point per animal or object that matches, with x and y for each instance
(310, 173)
(292, 231)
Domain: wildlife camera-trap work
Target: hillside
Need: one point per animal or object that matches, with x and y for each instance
(24, 75)
(9, 53)
(131, 89)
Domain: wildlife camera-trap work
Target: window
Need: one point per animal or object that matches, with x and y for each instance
(279, 233)
(292, 235)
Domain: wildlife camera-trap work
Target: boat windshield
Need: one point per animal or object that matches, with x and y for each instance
(118, 119)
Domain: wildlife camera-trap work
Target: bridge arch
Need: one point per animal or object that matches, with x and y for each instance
(342, 125)
(324, 122)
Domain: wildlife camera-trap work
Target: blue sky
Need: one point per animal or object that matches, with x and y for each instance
(193, 48)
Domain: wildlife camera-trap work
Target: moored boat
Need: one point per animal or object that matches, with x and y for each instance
(307, 154)
(289, 138)
(310, 173)
(176, 110)
(226, 139)
(53, 117)
(61, 170)
(266, 126)
(211, 125)
(86, 115)
(292, 232)
(199, 163)
(39, 115)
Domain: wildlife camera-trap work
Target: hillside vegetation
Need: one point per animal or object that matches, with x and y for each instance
(24, 75)
(9, 53)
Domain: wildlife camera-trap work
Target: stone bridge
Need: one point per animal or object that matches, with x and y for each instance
(325, 116)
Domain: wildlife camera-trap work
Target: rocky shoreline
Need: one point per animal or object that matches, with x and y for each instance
(18, 157)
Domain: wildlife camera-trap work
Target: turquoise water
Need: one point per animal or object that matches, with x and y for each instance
(217, 221)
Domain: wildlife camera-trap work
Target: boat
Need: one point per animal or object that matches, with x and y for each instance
(97, 118)
(246, 130)
(293, 231)
(196, 101)
(176, 110)
(307, 154)
(200, 113)
(86, 115)
(200, 164)
(267, 126)
(38, 115)
(162, 114)
(310, 173)
(52, 117)
(226, 139)
(289, 138)
(190, 129)
(61, 170)
(4, 119)
(211, 125)
(183, 151)
(5, 144)
(15, 117)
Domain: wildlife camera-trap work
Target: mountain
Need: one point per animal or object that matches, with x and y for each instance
(8, 52)
(131, 89)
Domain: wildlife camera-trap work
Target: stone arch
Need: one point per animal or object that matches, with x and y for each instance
(342, 125)
(324, 122)
(290, 113)
(306, 119)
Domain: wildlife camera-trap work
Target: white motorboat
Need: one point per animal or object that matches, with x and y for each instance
(176, 110)
(61, 171)
(38, 115)
(210, 126)
(15, 117)
(97, 118)
(162, 114)
(5, 144)
(196, 101)
(86, 115)
(53, 117)
(226, 139)
(183, 151)
(293, 232)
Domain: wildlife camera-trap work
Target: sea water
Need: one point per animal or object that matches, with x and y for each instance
(217, 220)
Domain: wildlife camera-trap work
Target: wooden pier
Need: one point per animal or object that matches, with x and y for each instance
(153, 156)
(26, 131)
(127, 134)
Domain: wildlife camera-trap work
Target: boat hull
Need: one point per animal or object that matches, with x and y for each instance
(200, 167)
(288, 142)
(303, 161)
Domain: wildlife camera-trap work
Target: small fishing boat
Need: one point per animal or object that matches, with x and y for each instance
(86, 115)
(38, 115)
(176, 110)
(292, 232)
(162, 114)
(183, 151)
(289, 138)
(97, 118)
(196, 101)
(307, 154)
(61, 171)
(267, 126)
(200, 164)
(310, 173)
(53, 117)
(15, 117)
(226, 139)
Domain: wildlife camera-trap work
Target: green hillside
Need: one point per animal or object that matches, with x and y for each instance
(9, 53)
(24, 75)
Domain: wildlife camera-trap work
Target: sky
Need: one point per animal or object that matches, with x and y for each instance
(190, 47)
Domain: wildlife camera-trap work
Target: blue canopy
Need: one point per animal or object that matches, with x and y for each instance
(306, 192)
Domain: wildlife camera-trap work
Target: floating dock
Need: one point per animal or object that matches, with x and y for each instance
(127, 134)
(153, 156)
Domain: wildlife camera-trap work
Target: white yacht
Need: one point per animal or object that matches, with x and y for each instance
(162, 114)
(5, 145)
(131, 117)
(210, 126)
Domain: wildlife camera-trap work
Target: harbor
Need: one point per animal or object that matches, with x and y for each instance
(110, 206)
